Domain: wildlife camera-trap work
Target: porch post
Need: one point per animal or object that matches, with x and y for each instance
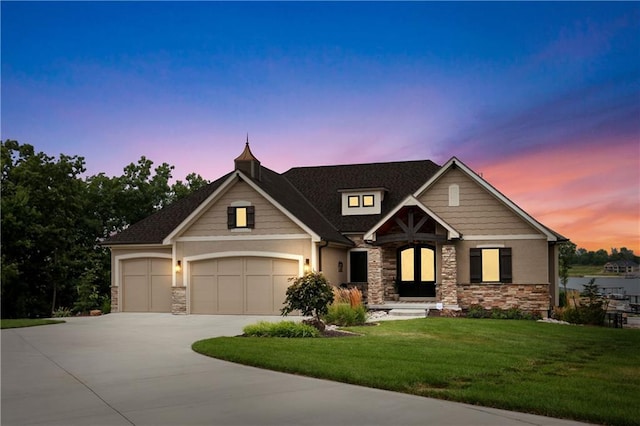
(375, 288)
(448, 289)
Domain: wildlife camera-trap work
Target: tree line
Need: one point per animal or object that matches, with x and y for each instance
(581, 256)
(54, 218)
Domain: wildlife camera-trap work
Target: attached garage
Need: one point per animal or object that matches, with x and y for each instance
(240, 285)
(146, 285)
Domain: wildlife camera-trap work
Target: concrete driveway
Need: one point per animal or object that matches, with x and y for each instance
(139, 369)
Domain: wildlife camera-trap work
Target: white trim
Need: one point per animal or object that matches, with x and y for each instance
(489, 246)
(244, 237)
(122, 257)
(454, 162)
(411, 201)
(268, 254)
(504, 237)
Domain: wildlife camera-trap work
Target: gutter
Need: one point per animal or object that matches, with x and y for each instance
(326, 243)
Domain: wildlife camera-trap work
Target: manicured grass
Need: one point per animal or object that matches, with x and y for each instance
(24, 322)
(583, 373)
(582, 270)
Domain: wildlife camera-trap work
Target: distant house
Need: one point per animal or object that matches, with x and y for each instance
(410, 232)
(621, 266)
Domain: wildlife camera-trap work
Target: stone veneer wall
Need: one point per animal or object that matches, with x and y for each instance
(375, 289)
(114, 299)
(178, 300)
(389, 271)
(527, 297)
(447, 291)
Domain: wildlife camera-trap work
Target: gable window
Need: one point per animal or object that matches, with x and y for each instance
(358, 272)
(491, 265)
(354, 201)
(454, 195)
(368, 201)
(241, 217)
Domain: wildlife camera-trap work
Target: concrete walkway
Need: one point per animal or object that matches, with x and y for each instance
(139, 369)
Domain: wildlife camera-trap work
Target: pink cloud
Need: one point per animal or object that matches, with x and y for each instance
(590, 195)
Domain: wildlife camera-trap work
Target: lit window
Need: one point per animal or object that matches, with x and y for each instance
(490, 265)
(367, 201)
(241, 217)
(354, 201)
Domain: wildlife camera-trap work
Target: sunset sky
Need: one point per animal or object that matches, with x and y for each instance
(542, 99)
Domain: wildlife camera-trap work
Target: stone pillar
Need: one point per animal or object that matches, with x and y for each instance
(449, 286)
(178, 300)
(114, 299)
(375, 289)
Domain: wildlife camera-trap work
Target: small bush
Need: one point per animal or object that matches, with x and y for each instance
(287, 329)
(477, 311)
(106, 305)
(342, 314)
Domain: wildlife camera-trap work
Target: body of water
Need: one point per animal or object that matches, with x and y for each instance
(628, 286)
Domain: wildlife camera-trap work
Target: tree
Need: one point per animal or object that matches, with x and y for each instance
(44, 229)
(311, 294)
(567, 252)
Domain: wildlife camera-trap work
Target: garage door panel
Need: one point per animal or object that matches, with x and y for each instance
(285, 267)
(259, 294)
(136, 294)
(135, 267)
(160, 294)
(280, 286)
(230, 294)
(207, 290)
(258, 265)
(231, 266)
(204, 268)
(161, 267)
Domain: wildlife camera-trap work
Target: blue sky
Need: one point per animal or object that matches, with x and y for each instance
(542, 98)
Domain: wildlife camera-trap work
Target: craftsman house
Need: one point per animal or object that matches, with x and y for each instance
(403, 232)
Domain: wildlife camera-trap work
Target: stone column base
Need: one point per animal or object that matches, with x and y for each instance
(114, 299)
(179, 300)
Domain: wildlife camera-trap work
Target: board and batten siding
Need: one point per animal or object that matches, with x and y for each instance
(269, 220)
(478, 212)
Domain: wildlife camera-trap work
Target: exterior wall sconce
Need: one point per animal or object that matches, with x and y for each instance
(179, 266)
(340, 266)
(307, 266)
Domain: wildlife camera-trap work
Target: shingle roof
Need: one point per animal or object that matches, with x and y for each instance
(322, 184)
(153, 229)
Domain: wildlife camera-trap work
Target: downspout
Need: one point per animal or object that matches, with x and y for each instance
(326, 243)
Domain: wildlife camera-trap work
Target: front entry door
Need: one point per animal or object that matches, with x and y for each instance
(417, 271)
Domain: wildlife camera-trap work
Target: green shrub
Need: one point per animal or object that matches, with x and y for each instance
(344, 315)
(591, 309)
(280, 329)
(311, 294)
(477, 311)
(106, 305)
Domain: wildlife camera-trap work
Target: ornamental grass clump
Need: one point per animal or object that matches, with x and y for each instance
(287, 329)
(347, 308)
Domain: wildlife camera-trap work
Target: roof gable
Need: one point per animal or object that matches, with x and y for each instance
(455, 163)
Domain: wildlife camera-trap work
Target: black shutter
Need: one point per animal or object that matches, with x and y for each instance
(475, 260)
(251, 217)
(231, 217)
(506, 275)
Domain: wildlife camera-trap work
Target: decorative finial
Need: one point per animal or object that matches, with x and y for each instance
(247, 138)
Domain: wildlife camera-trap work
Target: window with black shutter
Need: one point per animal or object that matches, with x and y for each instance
(490, 265)
(243, 217)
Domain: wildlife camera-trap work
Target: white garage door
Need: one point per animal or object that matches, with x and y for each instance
(240, 285)
(146, 285)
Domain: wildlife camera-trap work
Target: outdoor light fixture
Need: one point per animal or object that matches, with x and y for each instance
(179, 266)
(307, 267)
(340, 266)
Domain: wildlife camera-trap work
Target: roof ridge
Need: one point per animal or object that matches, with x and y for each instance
(376, 163)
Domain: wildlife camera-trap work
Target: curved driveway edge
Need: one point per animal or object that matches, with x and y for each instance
(139, 369)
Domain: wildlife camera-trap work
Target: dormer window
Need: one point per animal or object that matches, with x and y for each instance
(362, 201)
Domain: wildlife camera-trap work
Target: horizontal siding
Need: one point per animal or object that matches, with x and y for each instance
(269, 220)
(479, 212)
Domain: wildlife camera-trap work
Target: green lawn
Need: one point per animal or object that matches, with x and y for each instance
(24, 322)
(583, 373)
